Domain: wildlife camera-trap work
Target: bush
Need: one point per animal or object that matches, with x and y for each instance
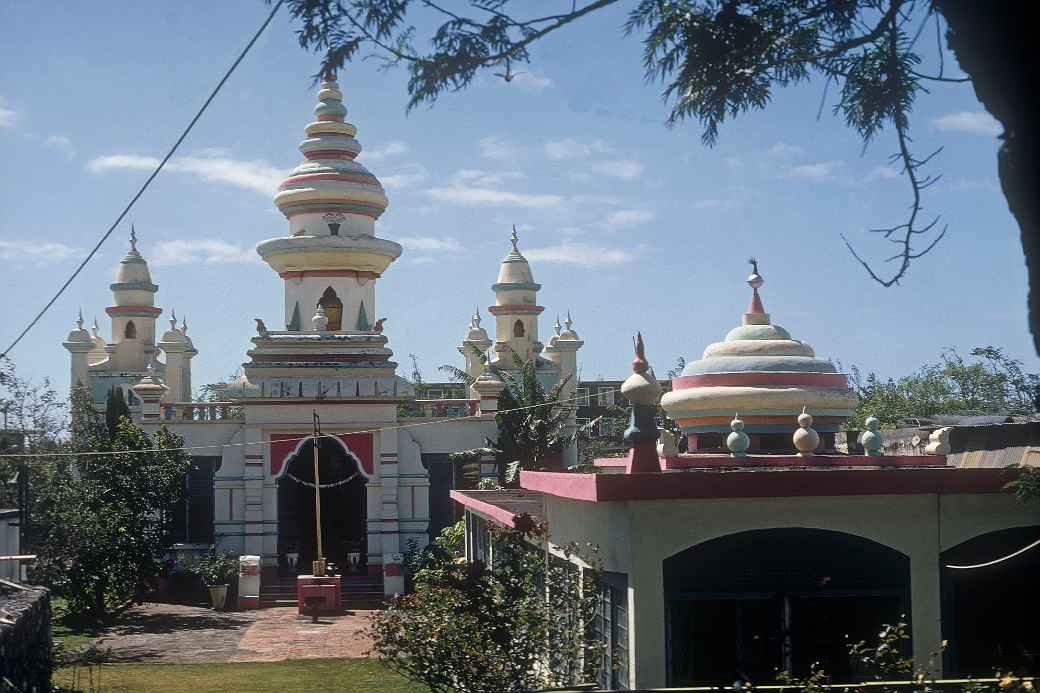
(216, 568)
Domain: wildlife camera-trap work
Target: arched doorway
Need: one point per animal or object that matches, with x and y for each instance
(343, 507)
(333, 309)
(990, 614)
(754, 603)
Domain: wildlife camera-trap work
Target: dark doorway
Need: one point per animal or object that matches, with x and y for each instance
(192, 517)
(333, 309)
(343, 508)
(442, 481)
(990, 613)
(748, 605)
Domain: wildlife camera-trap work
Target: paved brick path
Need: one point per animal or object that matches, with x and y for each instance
(173, 633)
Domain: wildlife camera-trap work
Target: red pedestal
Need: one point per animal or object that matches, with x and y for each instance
(329, 587)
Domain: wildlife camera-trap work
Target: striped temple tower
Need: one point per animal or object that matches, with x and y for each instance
(766, 376)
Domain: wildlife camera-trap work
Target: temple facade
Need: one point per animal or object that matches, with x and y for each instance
(325, 361)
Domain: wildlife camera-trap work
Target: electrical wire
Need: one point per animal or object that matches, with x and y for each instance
(147, 182)
(221, 446)
(996, 560)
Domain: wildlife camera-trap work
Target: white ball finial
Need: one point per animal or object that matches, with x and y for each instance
(755, 280)
(871, 438)
(320, 320)
(806, 439)
(737, 442)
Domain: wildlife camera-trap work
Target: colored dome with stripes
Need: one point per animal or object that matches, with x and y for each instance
(762, 373)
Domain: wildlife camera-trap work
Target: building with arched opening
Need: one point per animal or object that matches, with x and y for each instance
(764, 549)
(384, 484)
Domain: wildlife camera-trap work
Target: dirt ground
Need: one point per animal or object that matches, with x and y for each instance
(172, 633)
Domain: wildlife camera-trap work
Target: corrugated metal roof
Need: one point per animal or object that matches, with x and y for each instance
(1026, 455)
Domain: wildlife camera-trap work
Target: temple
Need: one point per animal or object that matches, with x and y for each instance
(327, 357)
(778, 539)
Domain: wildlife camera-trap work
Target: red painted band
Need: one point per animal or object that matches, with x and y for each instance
(330, 154)
(145, 311)
(303, 274)
(323, 210)
(518, 308)
(828, 380)
(330, 119)
(370, 180)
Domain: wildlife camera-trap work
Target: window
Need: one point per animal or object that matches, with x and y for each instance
(518, 328)
(130, 332)
(333, 309)
(611, 629)
(582, 422)
(583, 397)
(606, 427)
(434, 394)
(605, 397)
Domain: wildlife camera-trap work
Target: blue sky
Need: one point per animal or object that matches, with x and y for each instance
(628, 223)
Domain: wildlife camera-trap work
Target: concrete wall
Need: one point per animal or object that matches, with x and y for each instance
(636, 536)
(9, 545)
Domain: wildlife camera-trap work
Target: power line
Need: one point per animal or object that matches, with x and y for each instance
(147, 182)
(996, 560)
(190, 448)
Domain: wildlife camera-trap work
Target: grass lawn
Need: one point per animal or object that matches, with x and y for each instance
(68, 635)
(346, 675)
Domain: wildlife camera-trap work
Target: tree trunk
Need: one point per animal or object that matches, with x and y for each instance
(99, 601)
(993, 44)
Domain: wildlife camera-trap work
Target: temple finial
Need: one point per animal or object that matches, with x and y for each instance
(184, 324)
(557, 326)
(173, 319)
(639, 363)
(514, 239)
(79, 320)
(133, 239)
(568, 322)
(476, 317)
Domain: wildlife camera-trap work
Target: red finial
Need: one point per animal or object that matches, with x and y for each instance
(639, 363)
(330, 75)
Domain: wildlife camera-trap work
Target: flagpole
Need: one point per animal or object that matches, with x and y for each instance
(318, 567)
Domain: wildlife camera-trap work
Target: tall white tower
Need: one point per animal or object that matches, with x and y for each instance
(516, 308)
(563, 351)
(132, 346)
(473, 348)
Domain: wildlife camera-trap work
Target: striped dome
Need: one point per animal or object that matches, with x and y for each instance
(330, 181)
(762, 373)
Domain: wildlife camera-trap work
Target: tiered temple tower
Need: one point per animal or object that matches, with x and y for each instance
(332, 345)
(516, 308)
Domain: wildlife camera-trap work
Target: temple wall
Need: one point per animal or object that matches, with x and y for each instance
(635, 537)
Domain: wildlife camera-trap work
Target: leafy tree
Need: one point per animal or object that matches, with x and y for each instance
(719, 58)
(520, 623)
(992, 383)
(531, 420)
(99, 522)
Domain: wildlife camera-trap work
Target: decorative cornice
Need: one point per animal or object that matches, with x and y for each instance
(516, 286)
(515, 309)
(134, 311)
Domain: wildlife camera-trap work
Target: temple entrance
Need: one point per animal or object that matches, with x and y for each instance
(748, 605)
(343, 510)
(990, 612)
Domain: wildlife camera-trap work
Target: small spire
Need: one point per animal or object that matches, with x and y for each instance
(133, 239)
(79, 320)
(476, 318)
(184, 324)
(557, 325)
(94, 328)
(514, 239)
(756, 314)
(639, 363)
(173, 319)
(568, 322)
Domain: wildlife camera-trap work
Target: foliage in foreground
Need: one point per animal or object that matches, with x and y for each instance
(520, 623)
(100, 523)
(986, 383)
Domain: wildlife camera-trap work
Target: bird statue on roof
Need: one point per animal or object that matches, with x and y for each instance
(261, 328)
(378, 327)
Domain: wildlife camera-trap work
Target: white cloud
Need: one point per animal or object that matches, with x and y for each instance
(626, 169)
(970, 123)
(484, 179)
(783, 150)
(37, 251)
(62, 143)
(716, 204)
(493, 147)
(258, 176)
(427, 243)
(883, 172)
(626, 217)
(7, 116)
(570, 148)
(407, 176)
(582, 254)
(193, 252)
(532, 80)
(818, 172)
(392, 148)
(486, 197)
